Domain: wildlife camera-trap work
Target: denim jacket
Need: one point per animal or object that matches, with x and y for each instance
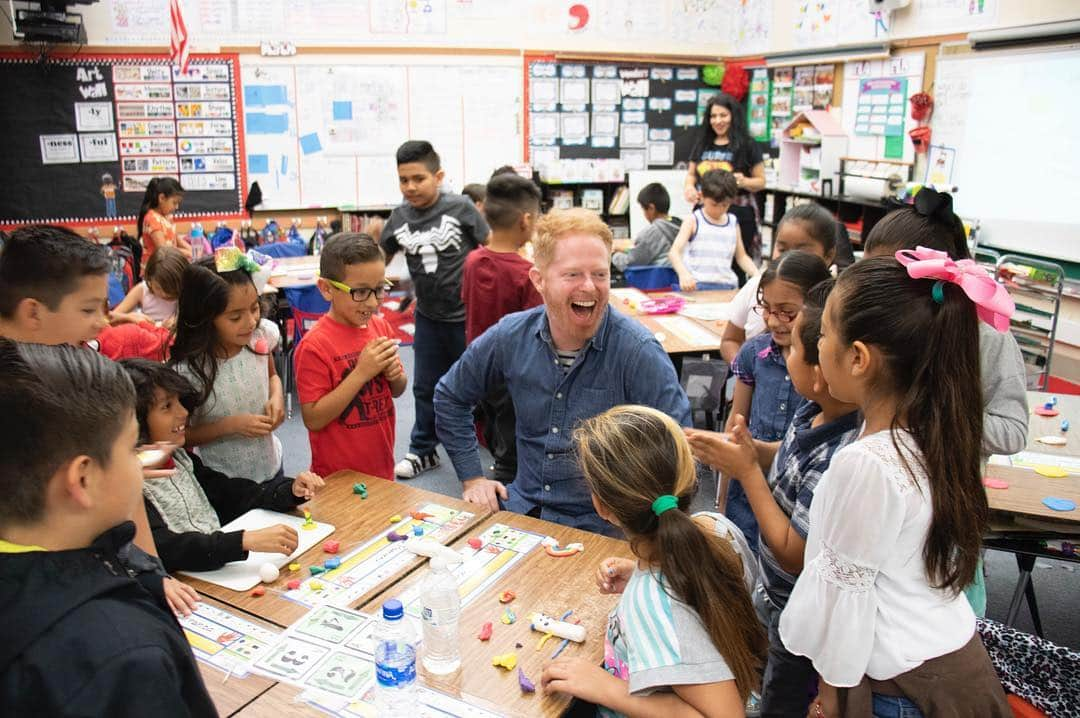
(621, 364)
(760, 365)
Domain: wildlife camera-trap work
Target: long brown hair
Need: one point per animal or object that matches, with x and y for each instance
(931, 354)
(631, 455)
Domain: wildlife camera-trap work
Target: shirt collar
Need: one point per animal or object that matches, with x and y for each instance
(807, 436)
(597, 341)
(773, 350)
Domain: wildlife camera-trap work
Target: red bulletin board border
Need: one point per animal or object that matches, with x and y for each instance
(233, 59)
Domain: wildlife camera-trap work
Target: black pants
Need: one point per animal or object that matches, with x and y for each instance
(436, 346)
(497, 414)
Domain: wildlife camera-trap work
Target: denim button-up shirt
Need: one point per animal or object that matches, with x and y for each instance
(621, 364)
(760, 364)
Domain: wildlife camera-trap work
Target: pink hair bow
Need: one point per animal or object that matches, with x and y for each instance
(992, 303)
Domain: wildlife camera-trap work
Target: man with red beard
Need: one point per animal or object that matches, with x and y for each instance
(568, 360)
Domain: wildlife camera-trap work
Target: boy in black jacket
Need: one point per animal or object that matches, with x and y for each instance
(186, 510)
(80, 635)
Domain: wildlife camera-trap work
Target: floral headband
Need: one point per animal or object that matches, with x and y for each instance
(992, 302)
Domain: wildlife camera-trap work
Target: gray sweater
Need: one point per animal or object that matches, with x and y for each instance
(651, 247)
(1005, 408)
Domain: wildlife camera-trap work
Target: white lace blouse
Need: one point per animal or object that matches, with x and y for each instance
(863, 603)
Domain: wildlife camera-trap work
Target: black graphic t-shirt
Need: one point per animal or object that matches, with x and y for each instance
(723, 157)
(436, 241)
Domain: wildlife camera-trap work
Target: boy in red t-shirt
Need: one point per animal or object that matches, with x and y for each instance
(495, 282)
(347, 367)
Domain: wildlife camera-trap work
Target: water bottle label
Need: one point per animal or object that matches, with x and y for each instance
(437, 617)
(392, 676)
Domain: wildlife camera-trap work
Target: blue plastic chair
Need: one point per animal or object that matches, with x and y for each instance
(280, 250)
(651, 277)
(306, 305)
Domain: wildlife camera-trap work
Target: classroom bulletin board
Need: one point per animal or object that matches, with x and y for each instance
(83, 136)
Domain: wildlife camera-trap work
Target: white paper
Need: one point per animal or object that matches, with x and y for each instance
(93, 116)
(606, 93)
(98, 147)
(244, 575)
(574, 125)
(633, 135)
(633, 159)
(605, 124)
(543, 125)
(543, 91)
(59, 149)
(574, 91)
(662, 153)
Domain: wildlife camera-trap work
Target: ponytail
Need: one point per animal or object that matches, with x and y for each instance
(167, 186)
(931, 354)
(638, 465)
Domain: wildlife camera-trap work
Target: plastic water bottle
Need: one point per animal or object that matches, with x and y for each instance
(395, 664)
(441, 608)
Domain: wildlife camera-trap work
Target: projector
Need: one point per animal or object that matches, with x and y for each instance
(49, 21)
(887, 5)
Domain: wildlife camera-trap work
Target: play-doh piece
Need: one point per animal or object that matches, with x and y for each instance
(1064, 424)
(475, 543)
(1056, 504)
(395, 536)
(507, 596)
(518, 645)
(420, 515)
(395, 519)
(1053, 401)
(545, 639)
(293, 585)
(496, 531)
(331, 546)
(268, 573)
(526, 685)
(363, 496)
(506, 660)
(1046, 411)
(548, 625)
(358, 488)
(315, 585)
(492, 548)
(561, 648)
(485, 631)
(316, 570)
(294, 567)
(1053, 440)
(418, 531)
(258, 591)
(561, 551)
(309, 523)
(508, 616)
(995, 483)
(331, 563)
(1051, 472)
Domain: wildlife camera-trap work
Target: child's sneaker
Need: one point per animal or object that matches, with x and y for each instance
(412, 465)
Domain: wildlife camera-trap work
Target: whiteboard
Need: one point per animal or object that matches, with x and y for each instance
(1009, 119)
(321, 131)
(672, 180)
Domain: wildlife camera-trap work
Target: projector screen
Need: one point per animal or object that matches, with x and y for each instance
(1006, 133)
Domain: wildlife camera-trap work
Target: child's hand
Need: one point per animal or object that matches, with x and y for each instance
(170, 322)
(275, 410)
(726, 453)
(273, 539)
(613, 573)
(306, 484)
(376, 356)
(180, 596)
(394, 372)
(687, 283)
(250, 425)
(691, 195)
(582, 679)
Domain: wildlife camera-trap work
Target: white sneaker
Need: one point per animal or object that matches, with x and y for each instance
(412, 465)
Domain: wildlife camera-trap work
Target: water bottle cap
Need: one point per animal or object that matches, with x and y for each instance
(392, 610)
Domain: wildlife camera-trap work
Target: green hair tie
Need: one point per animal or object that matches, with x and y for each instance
(938, 291)
(664, 503)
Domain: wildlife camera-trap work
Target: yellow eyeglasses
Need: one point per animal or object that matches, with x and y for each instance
(359, 294)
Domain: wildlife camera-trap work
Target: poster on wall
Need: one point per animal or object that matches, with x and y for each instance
(757, 105)
(882, 106)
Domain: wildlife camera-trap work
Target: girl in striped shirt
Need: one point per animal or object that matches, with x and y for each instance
(683, 638)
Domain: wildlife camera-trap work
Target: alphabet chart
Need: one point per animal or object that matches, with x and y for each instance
(223, 640)
(379, 559)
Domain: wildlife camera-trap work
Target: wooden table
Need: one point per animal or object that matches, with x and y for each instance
(231, 693)
(665, 326)
(542, 583)
(356, 521)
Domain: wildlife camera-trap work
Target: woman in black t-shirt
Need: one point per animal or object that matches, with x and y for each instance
(725, 144)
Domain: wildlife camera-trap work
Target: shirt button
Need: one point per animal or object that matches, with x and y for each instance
(787, 377)
(547, 487)
(551, 456)
(558, 395)
(554, 430)
(556, 362)
(783, 405)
